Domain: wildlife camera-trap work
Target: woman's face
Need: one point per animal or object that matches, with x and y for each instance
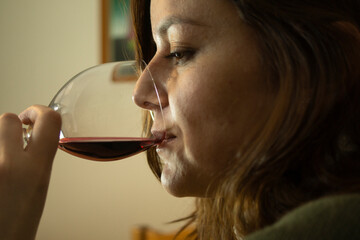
(211, 86)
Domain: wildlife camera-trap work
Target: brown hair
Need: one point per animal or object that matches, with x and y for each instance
(310, 145)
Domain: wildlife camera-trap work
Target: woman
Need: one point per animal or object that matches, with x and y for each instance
(261, 104)
(261, 108)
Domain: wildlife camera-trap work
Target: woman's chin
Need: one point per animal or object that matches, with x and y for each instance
(172, 184)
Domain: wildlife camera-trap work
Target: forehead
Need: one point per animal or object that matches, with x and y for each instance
(161, 8)
(202, 12)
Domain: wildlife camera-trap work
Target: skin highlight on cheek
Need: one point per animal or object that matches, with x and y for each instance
(171, 177)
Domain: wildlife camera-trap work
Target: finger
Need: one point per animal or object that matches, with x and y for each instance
(46, 127)
(10, 132)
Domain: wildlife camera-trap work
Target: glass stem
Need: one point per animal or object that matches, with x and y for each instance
(27, 130)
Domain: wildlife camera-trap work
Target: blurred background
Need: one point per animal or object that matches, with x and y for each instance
(43, 43)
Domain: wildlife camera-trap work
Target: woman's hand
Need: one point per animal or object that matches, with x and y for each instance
(25, 174)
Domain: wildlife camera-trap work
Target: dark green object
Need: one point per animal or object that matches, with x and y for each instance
(329, 218)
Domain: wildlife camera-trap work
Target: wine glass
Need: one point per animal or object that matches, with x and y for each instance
(99, 119)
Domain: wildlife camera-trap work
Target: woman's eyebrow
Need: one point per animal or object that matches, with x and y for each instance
(168, 22)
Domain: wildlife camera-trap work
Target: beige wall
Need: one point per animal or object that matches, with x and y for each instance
(42, 44)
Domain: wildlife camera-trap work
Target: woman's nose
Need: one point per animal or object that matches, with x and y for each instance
(149, 90)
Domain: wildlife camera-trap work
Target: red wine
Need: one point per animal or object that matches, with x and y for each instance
(105, 149)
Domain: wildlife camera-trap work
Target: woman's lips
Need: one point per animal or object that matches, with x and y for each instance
(163, 138)
(165, 143)
(168, 138)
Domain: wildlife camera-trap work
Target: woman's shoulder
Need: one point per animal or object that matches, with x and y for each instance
(332, 217)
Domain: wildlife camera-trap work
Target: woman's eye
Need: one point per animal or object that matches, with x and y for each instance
(180, 57)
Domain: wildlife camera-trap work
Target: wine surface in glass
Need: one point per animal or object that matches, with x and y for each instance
(105, 148)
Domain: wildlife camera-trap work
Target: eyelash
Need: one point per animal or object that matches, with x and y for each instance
(181, 57)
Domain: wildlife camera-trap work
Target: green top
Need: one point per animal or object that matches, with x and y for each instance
(329, 218)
